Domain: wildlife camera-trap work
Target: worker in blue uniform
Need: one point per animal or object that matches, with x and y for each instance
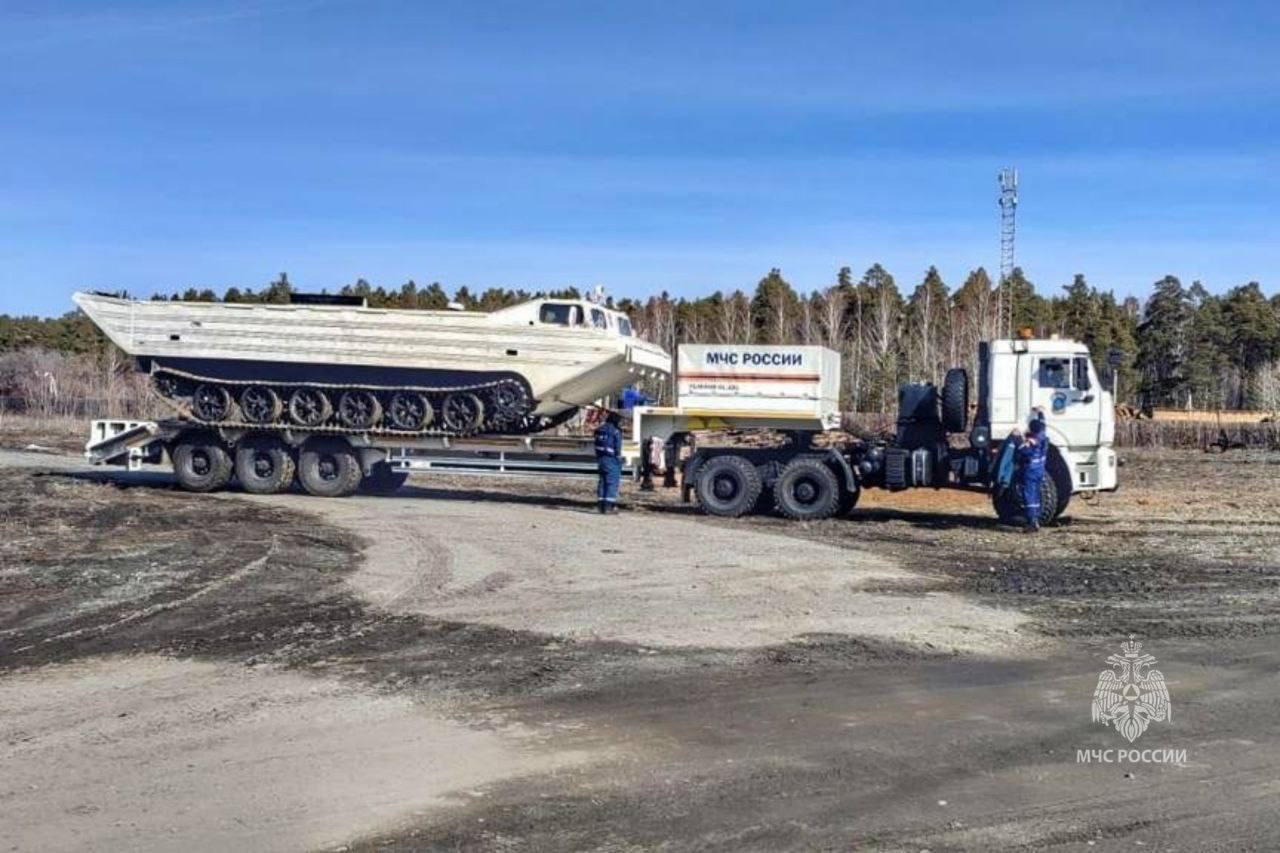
(608, 441)
(1031, 455)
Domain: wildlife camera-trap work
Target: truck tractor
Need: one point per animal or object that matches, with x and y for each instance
(793, 391)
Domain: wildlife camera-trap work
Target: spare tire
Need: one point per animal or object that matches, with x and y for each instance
(955, 400)
(728, 486)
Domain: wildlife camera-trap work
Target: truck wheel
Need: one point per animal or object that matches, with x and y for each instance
(201, 464)
(1009, 505)
(807, 490)
(1061, 476)
(328, 468)
(849, 500)
(383, 480)
(264, 466)
(728, 486)
(955, 400)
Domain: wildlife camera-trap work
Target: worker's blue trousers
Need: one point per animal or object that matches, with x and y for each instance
(1031, 498)
(610, 469)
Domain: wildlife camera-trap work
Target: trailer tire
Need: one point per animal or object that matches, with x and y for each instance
(1009, 505)
(1057, 470)
(264, 466)
(201, 464)
(955, 400)
(328, 468)
(728, 486)
(383, 480)
(807, 490)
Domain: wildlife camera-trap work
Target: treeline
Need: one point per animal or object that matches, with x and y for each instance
(1185, 347)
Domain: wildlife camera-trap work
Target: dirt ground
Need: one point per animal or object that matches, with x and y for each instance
(487, 664)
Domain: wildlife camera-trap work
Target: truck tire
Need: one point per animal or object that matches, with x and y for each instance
(1009, 506)
(264, 466)
(328, 468)
(728, 486)
(1058, 471)
(201, 464)
(955, 400)
(848, 500)
(383, 480)
(807, 490)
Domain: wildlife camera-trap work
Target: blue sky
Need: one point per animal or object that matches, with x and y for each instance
(685, 146)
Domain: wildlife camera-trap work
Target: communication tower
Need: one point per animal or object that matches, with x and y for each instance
(1008, 179)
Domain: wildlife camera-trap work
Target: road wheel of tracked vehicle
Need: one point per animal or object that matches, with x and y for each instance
(309, 406)
(260, 404)
(728, 486)
(166, 384)
(1056, 468)
(264, 466)
(1009, 505)
(955, 400)
(508, 403)
(328, 468)
(383, 480)
(409, 411)
(807, 490)
(462, 411)
(201, 464)
(359, 409)
(211, 402)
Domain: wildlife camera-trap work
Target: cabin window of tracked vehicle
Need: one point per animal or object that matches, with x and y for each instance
(1055, 373)
(598, 319)
(554, 314)
(624, 327)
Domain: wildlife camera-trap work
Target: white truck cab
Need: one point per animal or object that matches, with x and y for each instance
(1059, 378)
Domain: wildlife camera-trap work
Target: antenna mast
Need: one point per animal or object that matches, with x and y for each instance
(1008, 179)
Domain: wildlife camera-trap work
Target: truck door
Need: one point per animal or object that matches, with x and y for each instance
(1067, 389)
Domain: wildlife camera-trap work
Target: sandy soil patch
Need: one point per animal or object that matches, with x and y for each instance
(655, 580)
(153, 753)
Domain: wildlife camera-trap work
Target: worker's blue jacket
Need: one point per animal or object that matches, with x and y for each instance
(608, 442)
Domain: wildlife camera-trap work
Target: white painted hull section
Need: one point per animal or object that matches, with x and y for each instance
(565, 367)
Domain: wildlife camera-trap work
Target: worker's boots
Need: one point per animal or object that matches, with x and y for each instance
(604, 507)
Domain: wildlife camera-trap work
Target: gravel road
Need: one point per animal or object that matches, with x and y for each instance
(497, 667)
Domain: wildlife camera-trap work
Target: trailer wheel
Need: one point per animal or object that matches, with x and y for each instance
(728, 486)
(328, 468)
(264, 466)
(201, 464)
(383, 480)
(1009, 505)
(807, 490)
(955, 400)
(1061, 475)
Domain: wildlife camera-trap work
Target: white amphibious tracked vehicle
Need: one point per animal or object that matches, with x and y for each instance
(333, 364)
